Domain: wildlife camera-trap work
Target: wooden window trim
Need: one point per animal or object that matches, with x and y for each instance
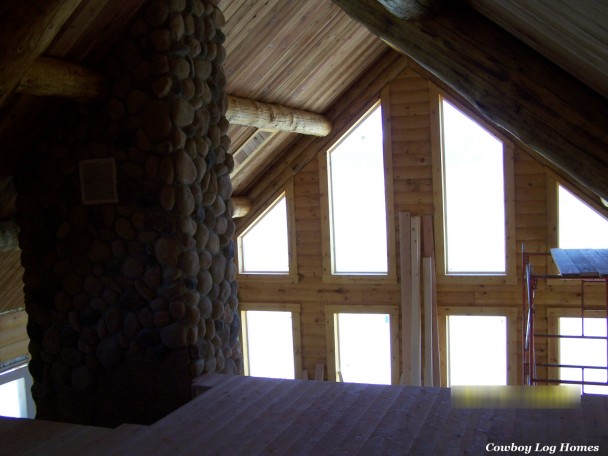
(391, 276)
(331, 322)
(513, 336)
(511, 252)
(294, 308)
(292, 275)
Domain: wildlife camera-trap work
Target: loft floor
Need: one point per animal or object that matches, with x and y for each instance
(249, 416)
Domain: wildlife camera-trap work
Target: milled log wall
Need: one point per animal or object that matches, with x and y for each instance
(410, 131)
(128, 302)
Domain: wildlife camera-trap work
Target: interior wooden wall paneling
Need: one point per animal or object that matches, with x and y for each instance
(11, 296)
(413, 192)
(14, 340)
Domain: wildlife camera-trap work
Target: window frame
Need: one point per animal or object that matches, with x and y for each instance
(294, 309)
(513, 336)
(331, 332)
(436, 97)
(553, 316)
(553, 183)
(328, 274)
(292, 275)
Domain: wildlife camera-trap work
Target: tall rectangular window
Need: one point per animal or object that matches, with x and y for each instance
(474, 213)
(357, 203)
(477, 350)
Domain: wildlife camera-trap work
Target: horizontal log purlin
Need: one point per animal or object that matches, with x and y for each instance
(26, 36)
(506, 82)
(55, 77)
(275, 117)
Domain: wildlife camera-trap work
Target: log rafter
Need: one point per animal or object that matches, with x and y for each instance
(508, 83)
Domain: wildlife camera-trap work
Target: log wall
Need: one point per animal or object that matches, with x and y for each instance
(412, 184)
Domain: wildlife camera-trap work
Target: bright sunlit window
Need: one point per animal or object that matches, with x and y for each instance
(357, 200)
(477, 350)
(579, 225)
(268, 343)
(473, 196)
(264, 246)
(364, 348)
(583, 352)
(15, 396)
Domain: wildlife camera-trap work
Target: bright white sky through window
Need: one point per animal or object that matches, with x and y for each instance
(583, 352)
(10, 399)
(365, 359)
(580, 227)
(270, 344)
(477, 350)
(358, 206)
(473, 196)
(265, 244)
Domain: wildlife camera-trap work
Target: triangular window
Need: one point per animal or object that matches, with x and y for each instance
(580, 226)
(264, 245)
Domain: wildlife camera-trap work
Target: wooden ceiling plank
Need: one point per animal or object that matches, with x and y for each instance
(107, 28)
(540, 104)
(267, 53)
(342, 114)
(73, 30)
(27, 30)
(350, 60)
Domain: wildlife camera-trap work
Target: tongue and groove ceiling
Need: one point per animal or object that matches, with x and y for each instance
(302, 54)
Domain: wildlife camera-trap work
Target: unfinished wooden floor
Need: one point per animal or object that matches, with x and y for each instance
(250, 416)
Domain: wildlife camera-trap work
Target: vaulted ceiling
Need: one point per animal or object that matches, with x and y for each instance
(301, 54)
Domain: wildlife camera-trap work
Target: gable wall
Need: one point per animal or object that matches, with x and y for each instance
(413, 192)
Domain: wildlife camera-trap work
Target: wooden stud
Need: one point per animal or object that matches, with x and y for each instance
(429, 352)
(415, 323)
(406, 297)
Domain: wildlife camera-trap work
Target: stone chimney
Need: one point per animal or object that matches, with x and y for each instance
(126, 230)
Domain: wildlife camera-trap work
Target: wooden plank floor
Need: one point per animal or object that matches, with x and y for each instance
(251, 416)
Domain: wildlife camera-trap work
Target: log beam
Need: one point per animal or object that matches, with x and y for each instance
(413, 9)
(241, 206)
(267, 116)
(508, 83)
(30, 27)
(59, 78)
(53, 77)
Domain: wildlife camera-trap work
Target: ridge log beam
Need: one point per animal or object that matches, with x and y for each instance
(507, 82)
(54, 77)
